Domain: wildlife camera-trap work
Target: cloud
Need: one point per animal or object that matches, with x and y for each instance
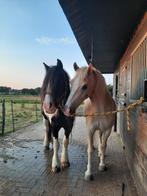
(44, 40)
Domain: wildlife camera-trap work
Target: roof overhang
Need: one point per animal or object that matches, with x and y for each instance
(109, 23)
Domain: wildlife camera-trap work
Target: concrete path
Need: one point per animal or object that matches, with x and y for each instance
(25, 168)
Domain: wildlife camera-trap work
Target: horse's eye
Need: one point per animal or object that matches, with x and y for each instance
(84, 87)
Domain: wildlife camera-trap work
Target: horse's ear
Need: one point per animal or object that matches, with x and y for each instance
(76, 67)
(90, 68)
(46, 67)
(59, 63)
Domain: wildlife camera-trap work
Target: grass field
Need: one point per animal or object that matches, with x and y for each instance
(26, 111)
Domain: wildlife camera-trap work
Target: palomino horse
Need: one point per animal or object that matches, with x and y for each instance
(89, 83)
(54, 93)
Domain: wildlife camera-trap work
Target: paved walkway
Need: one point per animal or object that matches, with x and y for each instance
(25, 167)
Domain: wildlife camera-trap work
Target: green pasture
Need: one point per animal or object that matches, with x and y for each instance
(26, 110)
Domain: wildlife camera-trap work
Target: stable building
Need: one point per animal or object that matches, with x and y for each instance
(113, 34)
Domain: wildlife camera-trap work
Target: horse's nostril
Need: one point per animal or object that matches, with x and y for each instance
(51, 105)
(71, 111)
(68, 110)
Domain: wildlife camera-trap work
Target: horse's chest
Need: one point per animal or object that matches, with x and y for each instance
(53, 117)
(50, 116)
(101, 123)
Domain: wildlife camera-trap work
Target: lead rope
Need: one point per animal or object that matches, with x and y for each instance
(126, 109)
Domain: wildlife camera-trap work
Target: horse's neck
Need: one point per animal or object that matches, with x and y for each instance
(100, 94)
(100, 89)
(98, 98)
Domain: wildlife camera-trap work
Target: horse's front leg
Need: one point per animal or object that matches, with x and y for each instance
(88, 173)
(67, 125)
(64, 155)
(103, 137)
(47, 136)
(55, 159)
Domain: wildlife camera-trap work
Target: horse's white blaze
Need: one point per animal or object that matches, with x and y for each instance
(47, 99)
(55, 159)
(64, 155)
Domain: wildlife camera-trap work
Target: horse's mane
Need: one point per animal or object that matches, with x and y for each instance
(58, 80)
(100, 80)
(97, 73)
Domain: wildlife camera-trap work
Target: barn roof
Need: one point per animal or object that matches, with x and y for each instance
(109, 23)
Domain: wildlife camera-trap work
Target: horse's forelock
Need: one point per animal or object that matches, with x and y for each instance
(58, 80)
(60, 86)
(80, 74)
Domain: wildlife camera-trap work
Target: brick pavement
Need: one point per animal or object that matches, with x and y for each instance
(25, 168)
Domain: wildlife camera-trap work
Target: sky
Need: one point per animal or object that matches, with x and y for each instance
(33, 32)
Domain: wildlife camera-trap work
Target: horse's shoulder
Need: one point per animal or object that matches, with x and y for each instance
(87, 106)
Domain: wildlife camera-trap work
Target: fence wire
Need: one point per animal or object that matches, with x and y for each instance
(18, 114)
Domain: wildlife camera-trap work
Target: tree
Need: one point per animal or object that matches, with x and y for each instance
(5, 89)
(110, 88)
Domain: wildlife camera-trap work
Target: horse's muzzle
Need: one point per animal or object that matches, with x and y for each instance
(49, 110)
(68, 111)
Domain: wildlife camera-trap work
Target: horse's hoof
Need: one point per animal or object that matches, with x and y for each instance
(89, 177)
(102, 168)
(56, 169)
(65, 164)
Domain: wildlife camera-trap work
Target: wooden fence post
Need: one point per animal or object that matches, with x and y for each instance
(3, 116)
(12, 114)
(36, 113)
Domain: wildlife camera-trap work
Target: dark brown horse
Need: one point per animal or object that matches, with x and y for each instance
(54, 94)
